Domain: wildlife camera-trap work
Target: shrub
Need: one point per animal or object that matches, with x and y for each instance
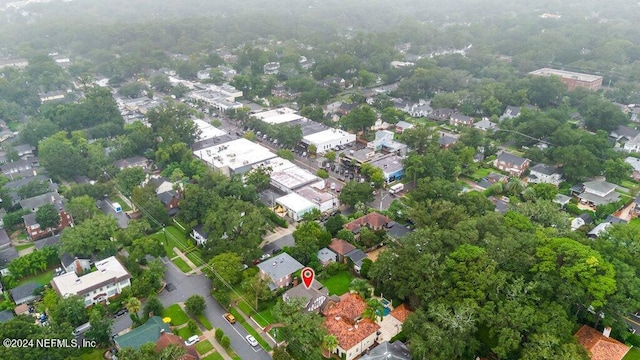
(219, 334)
(225, 342)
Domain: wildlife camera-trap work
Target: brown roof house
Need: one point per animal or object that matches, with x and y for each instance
(374, 221)
(344, 321)
(341, 248)
(599, 345)
(167, 339)
(513, 164)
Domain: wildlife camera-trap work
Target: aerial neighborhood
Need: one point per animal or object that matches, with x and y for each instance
(433, 192)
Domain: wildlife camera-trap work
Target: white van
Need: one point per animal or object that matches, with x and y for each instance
(396, 188)
(81, 329)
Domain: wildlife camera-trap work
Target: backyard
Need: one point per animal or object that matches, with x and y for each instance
(177, 315)
(338, 284)
(40, 279)
(633, 354)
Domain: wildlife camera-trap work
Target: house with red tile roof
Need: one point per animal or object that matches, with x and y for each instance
(167, 339)
(400, 312)
(374, 221)
(344, 320)
(599, 345)
(341, 248)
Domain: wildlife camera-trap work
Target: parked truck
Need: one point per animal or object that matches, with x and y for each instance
(396, 188)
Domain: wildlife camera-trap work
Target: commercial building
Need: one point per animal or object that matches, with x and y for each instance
(295, 205)
(234, 157)
(108, 280)
(294, 178)
(391, 166)
(572, 79)
(278, 116)
(384, 142)
(329, 139)
(323, 200)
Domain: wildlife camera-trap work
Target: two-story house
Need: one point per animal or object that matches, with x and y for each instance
(34, 230)
(513, 164)
(199, 235)
(441, 113)
(344, 321)
(107, 281)
(547, 174)
(598, 192)
(279, 270)
(460, 120)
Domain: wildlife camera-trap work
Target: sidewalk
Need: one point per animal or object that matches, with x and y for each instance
(208, 335)
(186, 259)
(256, 327)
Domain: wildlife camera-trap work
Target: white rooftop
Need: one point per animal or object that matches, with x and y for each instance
(276, 164)
(314, 195)
(107, 271)
(278, 116)
(328, 135)
(566, 74)
(295, 202)
(293, 178)
(234, 154)
(207, 131)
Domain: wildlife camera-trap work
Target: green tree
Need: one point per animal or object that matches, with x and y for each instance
(322, 173)
(259, 177)
(360, 119)
(48, 217)
(354, 192)
(82, 208)
(617, 170)
(69, 310)
(100, 326)
(225, 342)
(172, 352)
(195, 305)
(153, 305)
(334, 224)
(329, 344)
(285, 154)
(129, 178)
(258, 288)
(93, 236)
(133, 305)
(227, 269)
(302, 331)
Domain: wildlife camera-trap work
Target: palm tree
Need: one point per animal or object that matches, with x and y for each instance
(374, 310)
(329, 343)
(515, 186)
(173, 352)
(133, 305)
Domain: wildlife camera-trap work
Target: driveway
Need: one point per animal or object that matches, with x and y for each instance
(286, 240)
(186, 286)
(123, 219)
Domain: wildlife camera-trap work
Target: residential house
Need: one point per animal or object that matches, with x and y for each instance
(271, 68)
(634, 114)
(510, 112)
(34, 231)
(388, 351)
(334, 81)
(20, 168)
(441, 114)
(355, 257)
(24, 150)
(161, 184)
(501, 204)
(167, 339)
(598, 230)
(5, 241)
(447, 140)
(145, 333)
(598, 192)
(547, 174)
(48, 241)
(6, 256)
(6, 315)
(579, 221)
(401, 126)
(622, 134)
(562, 200)
(315, 296)
(513, 164)
(341, 248)
(373, 220)
(279, 270)
(344, 321)
(136, 161)
(601, 346)
(107, 281)
(170, 200)
(397, 231)
(485, 125)
(24, 293)
(346, 108)
(420, 110)
(635, 164)
(460, 120)
(632, 145)
(326, 256)
(79, 264)
(199, 235)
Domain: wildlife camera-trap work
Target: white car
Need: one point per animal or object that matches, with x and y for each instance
(251, 340)
(192, 340)
(265, 256)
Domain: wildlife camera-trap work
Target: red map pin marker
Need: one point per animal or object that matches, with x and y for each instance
(307, 276)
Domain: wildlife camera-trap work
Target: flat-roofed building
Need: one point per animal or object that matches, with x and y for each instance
(295, 205)
(278, 116)
(324, 200)
(572, 79)
(107, 281)
(294, 178)
(234, 157)
(207, 131)
(391, 166)
(329, 139)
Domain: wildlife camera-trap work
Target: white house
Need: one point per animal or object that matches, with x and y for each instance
(199, 235)
(108, 280)
(323, 200)
(271, 68)
(543, 173)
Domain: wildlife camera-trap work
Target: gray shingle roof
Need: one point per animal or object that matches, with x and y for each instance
(325, 255)
(511, 159)
(280, 266)
(357, 256)
(546, 169)
(389, 351)
(37, 201)
(6, 315)
(23, 293)
(600, 186)
(4, 238)
(7, 255)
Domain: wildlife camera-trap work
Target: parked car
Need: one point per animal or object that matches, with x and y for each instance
(251, 340)
(120, 312)
(230, 318)
(265, 257)
(192, 340)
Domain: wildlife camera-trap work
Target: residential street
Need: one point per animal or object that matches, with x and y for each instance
(186, 286)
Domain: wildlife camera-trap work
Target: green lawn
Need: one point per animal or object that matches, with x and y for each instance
(195, 256)
(123, 204)
(23, 246)
(338, 284)
(480, 173)
(177, 315)
(249, 329)
(204, 321)
(633, 354)
(182, 265)
(22, 236)
(95, 354)
(40, 279)
(264, 317)
(185, 333)
(635, 223)
(204, 347)
(214, 356)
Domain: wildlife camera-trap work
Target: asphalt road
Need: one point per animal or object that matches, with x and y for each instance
(634, 322)
(186, 286)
